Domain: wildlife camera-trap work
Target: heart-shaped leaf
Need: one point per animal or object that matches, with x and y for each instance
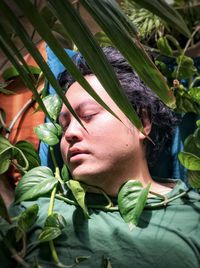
(30, 153)
(164, 46)
(49, 133)
(79, 190)
(4, 143)
(185, 68)
(55, 220)
(131, 201)
(190, 146)
(26, 219)
(5, 160)
(53, 105)
(194, 179)
(53, 227)
(6, 153)
(189, 160)
(49, 233)
(65, 173)
(36, 182)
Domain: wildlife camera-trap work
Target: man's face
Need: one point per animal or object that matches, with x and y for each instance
(106, 148)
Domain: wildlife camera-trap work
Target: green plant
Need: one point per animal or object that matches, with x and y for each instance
(54, 183)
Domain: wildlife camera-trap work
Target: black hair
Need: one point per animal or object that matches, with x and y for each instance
(162, 118)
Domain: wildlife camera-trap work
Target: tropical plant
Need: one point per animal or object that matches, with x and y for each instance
(55, 183)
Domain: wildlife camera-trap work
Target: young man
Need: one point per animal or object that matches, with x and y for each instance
(105, 155)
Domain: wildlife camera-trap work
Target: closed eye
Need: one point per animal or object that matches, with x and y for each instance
(88, 117)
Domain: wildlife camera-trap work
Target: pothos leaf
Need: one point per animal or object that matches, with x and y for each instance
(79, 189)
(164, 46)
(26, 219)
(49, 233)
(65, 173)
(55, 220)
(185, 68)
(5, 160)
(189, 160)
(49, 133)
(29, 152)
(53, 227)
(131, 201)
(194, 179)
(53, 104)
(36, 182)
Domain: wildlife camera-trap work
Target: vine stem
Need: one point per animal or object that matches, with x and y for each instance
(51, 205)
(115, 208)
(50, 211)
(57, 170)
(52, 200)
(186, 47)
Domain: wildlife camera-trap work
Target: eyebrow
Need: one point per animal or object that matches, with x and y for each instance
(79, 107)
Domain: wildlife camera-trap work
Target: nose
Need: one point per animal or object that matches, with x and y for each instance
(74, 131)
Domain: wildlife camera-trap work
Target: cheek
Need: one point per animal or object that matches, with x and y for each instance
(63, 149)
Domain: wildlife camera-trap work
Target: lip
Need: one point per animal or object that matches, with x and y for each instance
(76, 153)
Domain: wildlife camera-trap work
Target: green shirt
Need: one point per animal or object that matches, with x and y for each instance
(168, 236)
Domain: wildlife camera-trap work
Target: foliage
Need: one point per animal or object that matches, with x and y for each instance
(38, 181)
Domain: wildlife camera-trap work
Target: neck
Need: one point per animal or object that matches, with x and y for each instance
(112, 182)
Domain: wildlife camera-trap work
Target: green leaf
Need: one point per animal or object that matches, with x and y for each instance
(9, 152)
(185, 68)
(26, 219)
(196, 136)
(53, 104)
(6, 154)
(195, 93)
(53, 227)
(164, 47)
(49, 233)
(90, 50)
(189, 160)
(5, 160)
(103, 39)
(43, 29)
(55, 220)
(4, 143)
(190, 146)
(79, 190)
(49, 133)
(12, 72)
(30, 153)
(65, 173)
(167, 13)
(3, 210)
(6, 91)
(36, 182)
(194, 179)
(110, 18)
(10, 52)
(131, 201)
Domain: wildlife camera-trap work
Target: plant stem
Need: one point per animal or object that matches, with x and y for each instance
(57, 171)
(15, 255)
(185, 48)
(51, 244)
(166, 201)
(52, 200)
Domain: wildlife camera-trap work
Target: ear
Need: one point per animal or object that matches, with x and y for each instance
(146, 125)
